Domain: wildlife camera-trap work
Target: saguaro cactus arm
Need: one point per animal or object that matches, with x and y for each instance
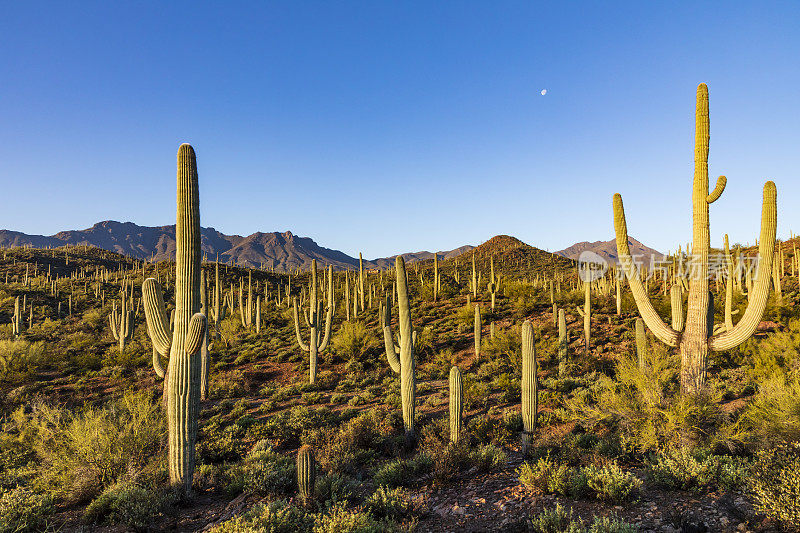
(717, 192)
(662, 331)
(758, 299)
(195, 333)
(303, 346)
(156, 315)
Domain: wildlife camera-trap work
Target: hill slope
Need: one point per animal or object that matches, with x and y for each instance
(608, 250)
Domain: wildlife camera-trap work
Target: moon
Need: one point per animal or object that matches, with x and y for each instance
(544, 92)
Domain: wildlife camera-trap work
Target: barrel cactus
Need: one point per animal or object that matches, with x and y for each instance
(306, 473)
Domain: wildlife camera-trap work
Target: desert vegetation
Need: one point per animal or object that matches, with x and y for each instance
(504, 389)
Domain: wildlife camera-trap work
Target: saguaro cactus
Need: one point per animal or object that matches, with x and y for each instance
(121, 323)
(477, 332)
(641, 342)
(586, 313)
(697, 339)
(16, 320)
(456, 404)
(492, 285)
(676, 306)
(563, 340)
(530, 386)
(182, 379)
(306, 473)
(401, 358)
(312, 317)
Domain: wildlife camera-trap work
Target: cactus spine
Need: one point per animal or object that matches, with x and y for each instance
(401, 358)
(182, 378)
(456, 404)
(312, 317)
(695, 342)
(530, 386)
(306, 473)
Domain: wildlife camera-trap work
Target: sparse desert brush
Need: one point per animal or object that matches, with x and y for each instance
(354, 340)
(643, 404)
(772, 415)
(81, 453)
(18, 358)
(775, 483)
(775, 356)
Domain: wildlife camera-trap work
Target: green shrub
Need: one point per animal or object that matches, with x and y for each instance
(273, 517)
(556, 520)
(20, 357)
(332, 489)
(775, 483)
(341, 520)
(488, 457)
(772, 416)
(696, 470)
(401, 472)
(610, 482)
(269, 474)
(644, 406)
(547, 476)
(22, 510)
(393, 504)
(83, 453)
(353, 340)
(127, 503)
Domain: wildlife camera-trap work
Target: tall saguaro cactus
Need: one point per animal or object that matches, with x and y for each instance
(401, 358)
(586, 313)
(697, 339)
(312, 317)
(182, 378)
(530, 387)
(121, 323)
(456, 404)
(477, 332)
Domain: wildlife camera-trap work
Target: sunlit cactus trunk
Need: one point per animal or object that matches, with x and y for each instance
(530, 386)
(316, 342)
(182, 387)
(696, 339)
(401, 358)
(456, 404)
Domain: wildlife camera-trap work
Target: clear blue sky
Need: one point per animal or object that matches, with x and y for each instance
(386, 127)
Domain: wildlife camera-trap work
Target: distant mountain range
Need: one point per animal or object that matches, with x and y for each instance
(608, 250)
(281, 251)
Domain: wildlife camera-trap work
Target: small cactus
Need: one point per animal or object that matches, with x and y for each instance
(306, 473)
